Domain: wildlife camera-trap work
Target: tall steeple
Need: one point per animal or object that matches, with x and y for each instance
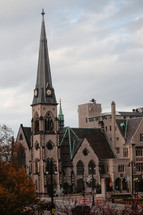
(44, 91)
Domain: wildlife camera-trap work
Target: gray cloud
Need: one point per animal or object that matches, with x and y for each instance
(95, 49)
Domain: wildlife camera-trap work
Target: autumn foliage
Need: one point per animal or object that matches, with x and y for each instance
(17, 191)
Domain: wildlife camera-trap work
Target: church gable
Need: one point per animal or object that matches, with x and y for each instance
(72, 139)
(97, 140)
(85, 153)
(23, 136)
(69, 143)
(138, 134)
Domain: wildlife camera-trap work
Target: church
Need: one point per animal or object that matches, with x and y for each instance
(77, 158)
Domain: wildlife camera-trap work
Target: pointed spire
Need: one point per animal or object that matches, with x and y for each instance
(61, 116)
(44, 91)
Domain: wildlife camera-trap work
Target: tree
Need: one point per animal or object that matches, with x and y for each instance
(6, 140)
(17, 191)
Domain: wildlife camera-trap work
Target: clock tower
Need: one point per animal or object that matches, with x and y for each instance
(44, 123)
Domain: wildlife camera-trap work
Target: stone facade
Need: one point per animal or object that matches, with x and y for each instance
(39, 144)
(124, 132)
(86, 111)
(101, 149)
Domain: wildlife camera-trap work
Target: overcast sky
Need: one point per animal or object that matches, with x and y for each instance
(95, 49)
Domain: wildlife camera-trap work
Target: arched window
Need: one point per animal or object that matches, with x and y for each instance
(118, 184)
(51, 166)
(91, 168)
(21, 157)
(48, 165)
(49, 145)
(20, 137)
(36, 165)
(49, 125)
(80, 185)
(36, 123)
(37, 145)
(80, 168)
(108, 184)
(124, 184)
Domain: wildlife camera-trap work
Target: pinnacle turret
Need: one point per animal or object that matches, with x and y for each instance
(61, 116)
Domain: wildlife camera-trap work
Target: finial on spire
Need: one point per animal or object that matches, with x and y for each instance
(43, 13)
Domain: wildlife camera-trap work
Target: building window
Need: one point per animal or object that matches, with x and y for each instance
(110, 127)
(139, 167)
(125, 152)
(91, 119)
(139, 151)
(117, 138)
(36, 165)
(36, 125)
(85, 152)
(106, 128)
(91, 167)
(21, 157)
(37, 145)
(118, 150)
(20, 137)
(141, 137)
(49, 125)
(121, 168)
(49, 145)
(80, 168)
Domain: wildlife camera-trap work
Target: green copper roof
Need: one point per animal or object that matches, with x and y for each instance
(71, 141)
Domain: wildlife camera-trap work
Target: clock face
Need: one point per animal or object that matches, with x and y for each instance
(48, 92)
(35, 92)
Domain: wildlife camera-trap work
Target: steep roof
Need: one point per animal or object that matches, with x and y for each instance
(72, 138)
(122, 125)
(27, 134)
(128, 127)
(132, 127)
(44, 80)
